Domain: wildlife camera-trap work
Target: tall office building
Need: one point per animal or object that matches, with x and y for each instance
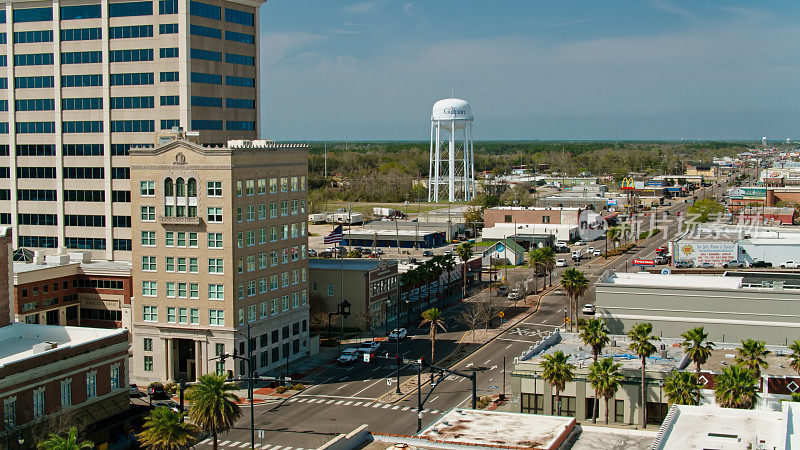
(220, 246)
(81, 81)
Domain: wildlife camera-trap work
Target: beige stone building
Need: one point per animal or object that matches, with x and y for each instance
(83, 81)
(221, 245)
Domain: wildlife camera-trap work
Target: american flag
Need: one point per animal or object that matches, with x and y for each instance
(335, 237)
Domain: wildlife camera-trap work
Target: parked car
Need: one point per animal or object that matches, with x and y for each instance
(515, 294)
(133, 390)
(661, 249)
(169, 404)
(705, 265)
(597, 253)
(368, 347)
(577, 255)
(427, 253)
(325, 254)
(590, 250)
(760, 264)
(581, 242)
(588, 309)
(448, 252)
(378, 251)
(398, 334)
(561, 262)
(790, 265)
(312, 253)
(735, 264)
(684, 264)
(501, 289)
(348, 356)
(562, 244)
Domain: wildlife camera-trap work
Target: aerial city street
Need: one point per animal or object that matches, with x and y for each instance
(372, 224)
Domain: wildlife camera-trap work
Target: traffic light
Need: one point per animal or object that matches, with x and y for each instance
(397, 359)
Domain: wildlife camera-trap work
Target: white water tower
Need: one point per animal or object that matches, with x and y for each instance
(452, 164)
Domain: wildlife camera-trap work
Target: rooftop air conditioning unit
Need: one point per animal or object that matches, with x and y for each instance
(43, 347)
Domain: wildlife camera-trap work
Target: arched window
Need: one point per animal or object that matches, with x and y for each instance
(168, 187)
(191, 188)
(191, 191)
(169, 199)
(179, 188)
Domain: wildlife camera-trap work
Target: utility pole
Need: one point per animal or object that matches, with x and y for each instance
(325, 158)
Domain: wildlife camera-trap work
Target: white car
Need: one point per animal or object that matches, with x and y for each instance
(588, 309)
(790, 265)
(562, 244)
(580, 243)
(561, 263)
(590, 250)
(368, 346)
(398, 334)
(348, 356)
(597, 253)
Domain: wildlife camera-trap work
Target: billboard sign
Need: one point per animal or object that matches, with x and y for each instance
(717, 253)
(644, 262)
(747, 193)
(627, 183)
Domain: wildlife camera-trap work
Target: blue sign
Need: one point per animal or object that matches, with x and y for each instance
(500, 247)
(665, 271)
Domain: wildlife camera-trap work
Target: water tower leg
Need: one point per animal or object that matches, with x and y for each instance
(451, 168)
(430, 168)
(438, 163)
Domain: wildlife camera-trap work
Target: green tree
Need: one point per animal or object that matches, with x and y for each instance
(642, 344)
(448, 263)
(557, 372)
(434, 319)
(682, 388)
(70, 442)
(794, 358)
(735, 387)
(464, 253)
(536, 261)
(549, 261)
(575, 284)
(594, 334)
(697, 346)
(213, 405)
(606, 380)
(752, 354)
(704, 209)
(163, 430)
(473, 217)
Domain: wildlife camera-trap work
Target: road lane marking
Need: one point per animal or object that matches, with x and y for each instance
(515, 340)
(206, 441)
(236, 444)
(348, 403)
(386, 405)
(246, 444)
(341, 387)
(406, 408)
(395, 407)
(376, 405)
(508, 346)
(224, 443)
(340, 402)
(329, 402)
(357, 403)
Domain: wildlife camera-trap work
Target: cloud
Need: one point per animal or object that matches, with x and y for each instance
(363, 7)
(275, 45)
(667, 7)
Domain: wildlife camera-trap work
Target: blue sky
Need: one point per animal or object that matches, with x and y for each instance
(532, 69)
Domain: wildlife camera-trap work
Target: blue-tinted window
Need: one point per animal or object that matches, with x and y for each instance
(3, 83)
(122, 244)
(81, 34)
(4, 148)
(170, 52)
(242, 103)
(122, 150)
(168, 6)
(3, 60)
(121, 221)
(35, 127)
(3, 16)
(33, 59)
(80, 12)
(240, 17)
(231, 80)
(168, 124)
(84, 220)
(3, 130)
(233, 58)
(82, 126)
(130, 31)
(206, 124)
(35, 104)
(240, 37)
(3, 107)
(201, 9)
(5, 218)
(37, 195)
(212, 102)
(168, 28)
(131, 79)
(73, 104)
(33, 82)
(120, 173)
(240, 125)
(132, 126)
(207, 55)
(208, 78)
(132, 102)
(82, 149)
(81, 57)
(37, 241)
(168, 76)
(37, 219)
(81, 80)
(36, 150)
(84, 195)
(3, 38)
(139, 54)
(36, 172)
(29, 37)
(169, 100)
(33, 15)
(199, 30)
(128, 9)
(86, 243)
(83, 173)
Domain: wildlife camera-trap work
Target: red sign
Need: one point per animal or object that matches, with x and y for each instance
(644, 262)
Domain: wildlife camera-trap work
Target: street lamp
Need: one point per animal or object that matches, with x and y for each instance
(388, 304)
(249, 388)
(565, 319)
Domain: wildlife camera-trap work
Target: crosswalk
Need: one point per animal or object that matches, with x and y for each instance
(228, 444)
(356, 403)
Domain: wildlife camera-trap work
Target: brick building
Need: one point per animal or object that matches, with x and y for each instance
(523, 215)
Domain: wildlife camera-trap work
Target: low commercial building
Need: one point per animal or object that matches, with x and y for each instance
(729, 308)
(745, 242)
(505, 251)
(769, 215)
(528, 232)
(405, 237)
(581, 200)
(523, 215)
(370, 283)
(707, 171)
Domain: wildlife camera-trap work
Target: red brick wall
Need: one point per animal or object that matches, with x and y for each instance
(494, 216)
(5, 273)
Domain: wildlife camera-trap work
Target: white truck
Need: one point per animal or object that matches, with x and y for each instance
(346, 218)
(318, 218)
(383, 212)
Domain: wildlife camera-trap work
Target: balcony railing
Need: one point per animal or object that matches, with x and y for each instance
(169, 220)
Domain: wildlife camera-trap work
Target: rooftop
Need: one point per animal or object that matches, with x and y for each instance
(348, 263)
(703, 427)
(17, 340)
(647, 279)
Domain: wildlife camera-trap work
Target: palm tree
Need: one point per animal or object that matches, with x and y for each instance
(433, 318)
(595, 335)
(448, 263)
(642, 345)
(682, 388)
(575, 285)
(735, 387)
(751, 355)
(557, 372)
(549, 260)
(606, 379)
(214, 407)
(794, 358)
(536, 262)
(464, 252)
(696, 344)
(163, 430)
(71, 442)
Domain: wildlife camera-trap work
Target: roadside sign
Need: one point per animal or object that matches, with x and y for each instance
(665, 271)
(261, 434)
(501, 314)
(644, 262)
(366, 357)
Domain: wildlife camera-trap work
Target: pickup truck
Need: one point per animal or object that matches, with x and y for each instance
(790, 265)
(348, 356)
(368, 346)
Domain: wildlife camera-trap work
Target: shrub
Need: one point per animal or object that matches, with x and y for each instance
(155, 384)
(281, 389)
(483, 402)
(298, 387)
(171, 388)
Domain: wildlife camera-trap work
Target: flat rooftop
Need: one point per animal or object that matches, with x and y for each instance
(712, 427)
(17, 340)
(348, 263)
(724, 354)
(479, 428)
(647, 279)
(96, 265)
